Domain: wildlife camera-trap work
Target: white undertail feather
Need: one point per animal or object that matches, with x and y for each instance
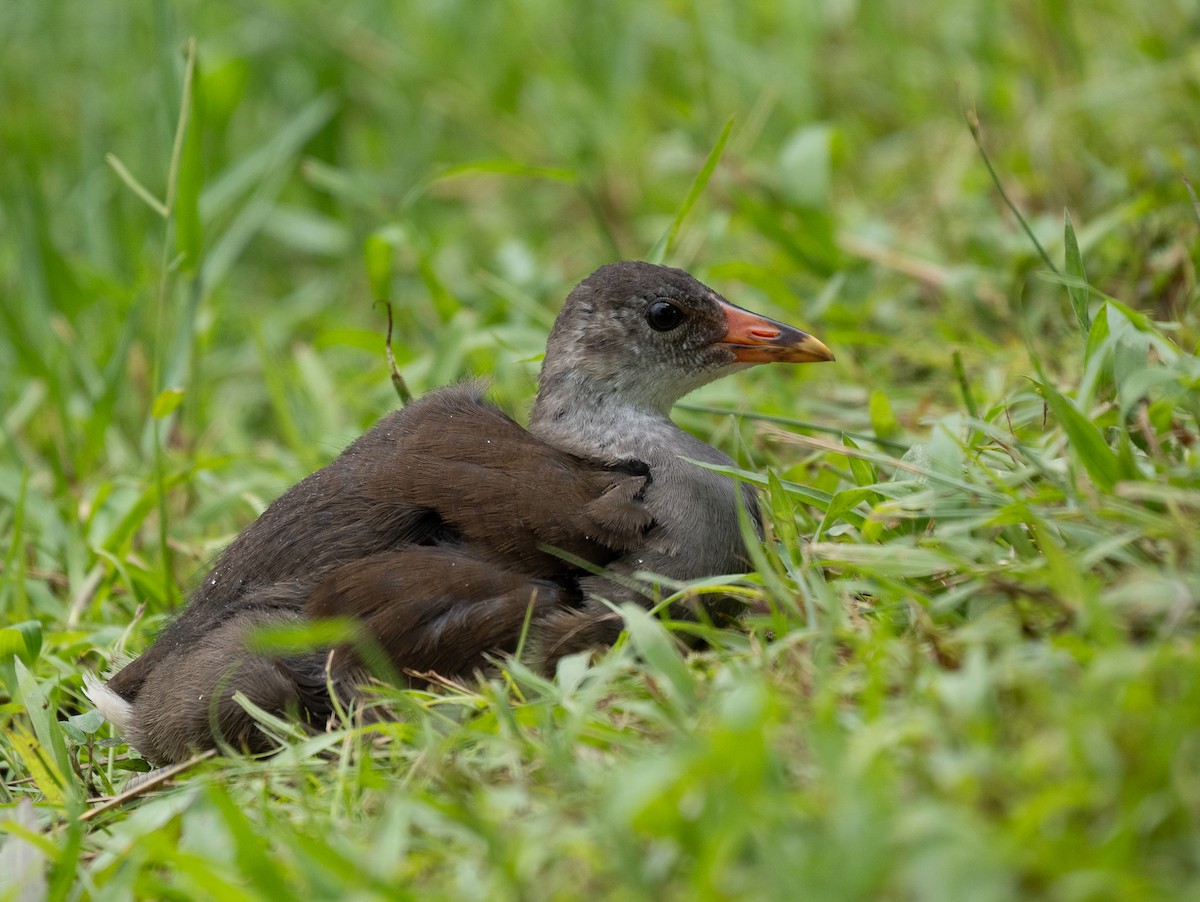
(115, 709)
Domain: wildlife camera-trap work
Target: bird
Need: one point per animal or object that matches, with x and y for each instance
(448, 533)
(440, 508)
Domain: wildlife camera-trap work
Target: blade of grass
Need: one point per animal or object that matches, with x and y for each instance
(794, 423)
(135, 186)
(1074, 266)
(1192, 192)
(156, 423)
(976, 133)
(964, 386)
(1100, 461)
(663, 246)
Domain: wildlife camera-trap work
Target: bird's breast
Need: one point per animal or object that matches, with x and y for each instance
(695, 510)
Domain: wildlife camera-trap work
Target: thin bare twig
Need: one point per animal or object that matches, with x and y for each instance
(397, 380)
(141, 785)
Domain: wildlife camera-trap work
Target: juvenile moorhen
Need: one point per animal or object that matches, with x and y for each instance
(447, 525)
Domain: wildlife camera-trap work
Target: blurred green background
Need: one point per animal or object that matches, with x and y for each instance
(992, 697)
(500, 151)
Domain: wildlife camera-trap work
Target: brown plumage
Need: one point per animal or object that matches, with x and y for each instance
(440, 530)
(449, 481)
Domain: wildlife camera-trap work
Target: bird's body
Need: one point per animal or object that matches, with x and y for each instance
(448, 491)
(445, 526)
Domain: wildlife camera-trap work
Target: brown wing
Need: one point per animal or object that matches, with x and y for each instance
(449, 469)
(439, 610)
(508, 494)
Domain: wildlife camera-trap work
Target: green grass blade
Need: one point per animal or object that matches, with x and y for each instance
(187, 169)
(135, 186)
(1087, 442)
(663, 246)
(1074, 267)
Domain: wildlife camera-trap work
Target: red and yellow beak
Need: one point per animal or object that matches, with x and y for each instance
(757, 339)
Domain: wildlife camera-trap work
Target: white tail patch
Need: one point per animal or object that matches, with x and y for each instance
(115, 709)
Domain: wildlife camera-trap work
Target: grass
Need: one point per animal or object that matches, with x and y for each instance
(980, 677)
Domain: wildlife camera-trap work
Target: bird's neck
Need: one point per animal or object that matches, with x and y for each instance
(580, 415)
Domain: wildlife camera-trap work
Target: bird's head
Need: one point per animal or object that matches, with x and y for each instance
(650, 334)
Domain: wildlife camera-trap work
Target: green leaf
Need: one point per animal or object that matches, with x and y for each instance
(51, 748)
(842, 506)
(883, 419)
(660, 651)
(1061, 568)
(24, 640)
(862, 470)
(254, 860)
(166, 403)
(763, 557)
(1098, 334)
(46, 775)
(88, 723)
(1074, 265)
(783, 515)
(1086, 440)
(944, 448)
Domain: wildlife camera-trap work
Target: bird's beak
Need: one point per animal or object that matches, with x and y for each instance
(757, 339)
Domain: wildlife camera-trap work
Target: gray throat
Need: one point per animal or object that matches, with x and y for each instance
(695, 510)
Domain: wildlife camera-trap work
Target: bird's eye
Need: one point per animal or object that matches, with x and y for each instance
(663, 316)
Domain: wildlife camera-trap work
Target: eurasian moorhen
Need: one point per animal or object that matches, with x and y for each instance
(447, 525)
